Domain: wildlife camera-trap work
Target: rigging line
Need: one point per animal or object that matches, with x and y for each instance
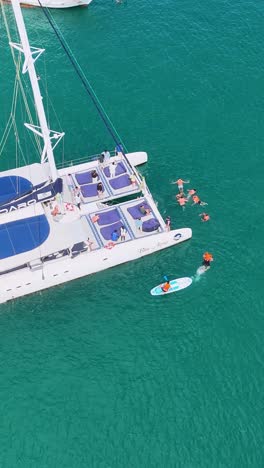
(110, 127)
(9, 122)
(19, 77)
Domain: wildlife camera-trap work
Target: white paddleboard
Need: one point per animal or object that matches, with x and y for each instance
(176, 285)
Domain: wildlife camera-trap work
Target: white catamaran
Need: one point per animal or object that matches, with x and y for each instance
(57, 225)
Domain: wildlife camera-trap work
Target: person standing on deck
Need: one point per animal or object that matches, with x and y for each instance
(119, 150)
(112, 169)
(78, 199)
(168, 223)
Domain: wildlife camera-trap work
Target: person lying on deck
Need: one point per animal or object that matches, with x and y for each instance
(133, 180)
(144, 211)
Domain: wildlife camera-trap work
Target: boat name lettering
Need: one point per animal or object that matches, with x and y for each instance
(144, 249)
(18, 207)
(160, 244)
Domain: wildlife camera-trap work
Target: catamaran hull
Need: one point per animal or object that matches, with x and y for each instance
(26, 281)
(54, 3)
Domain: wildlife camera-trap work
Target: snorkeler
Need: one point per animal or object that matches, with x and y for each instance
(204, 217)
(197, 201)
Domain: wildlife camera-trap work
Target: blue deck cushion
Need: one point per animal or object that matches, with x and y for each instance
(119, 169)
(84, 178)
(150, 225)
(12, 187)
(23, 235)
(109, 217)
(120, 182)
(135, 212)
(107, 231)
(89, 190)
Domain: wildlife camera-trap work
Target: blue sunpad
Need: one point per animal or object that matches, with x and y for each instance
(109, 217)
(150, 225)
(119, 169)
(107, 231)
(23, 235)
(135, 212)
(89, 190)
(84, 178)
(12, 187)
(120, 182)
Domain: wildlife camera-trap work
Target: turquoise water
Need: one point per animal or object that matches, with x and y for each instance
(97, 373)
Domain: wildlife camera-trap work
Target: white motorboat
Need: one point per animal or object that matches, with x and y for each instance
(62, 223)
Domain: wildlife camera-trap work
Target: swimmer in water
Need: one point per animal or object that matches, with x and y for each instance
(180, 183)
(191, 192)
(207, 259)
(181, 200)
(204, 217)
(197, 201)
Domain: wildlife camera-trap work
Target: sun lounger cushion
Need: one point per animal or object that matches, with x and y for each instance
(135, 212)
(107, 231)
(109, 217)
(89, 190)
(120, 182)
(83, 178)
(150, 225)
(120, 169)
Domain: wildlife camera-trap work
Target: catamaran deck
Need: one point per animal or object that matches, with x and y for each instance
(105, 221)
(116, 183)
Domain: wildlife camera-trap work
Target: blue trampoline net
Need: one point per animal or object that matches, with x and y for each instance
(23, 235)
(12, 187)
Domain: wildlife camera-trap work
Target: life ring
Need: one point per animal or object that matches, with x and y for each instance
(177, 236)
(110, 245)
(69, 207)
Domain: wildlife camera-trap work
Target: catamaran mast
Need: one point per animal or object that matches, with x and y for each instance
(29, 66)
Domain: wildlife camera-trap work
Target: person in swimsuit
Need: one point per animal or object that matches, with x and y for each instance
(133, 181)
(191, 192)
(143, 210)
(207, 259)
(197, 201)
(180, 183)
(204, 217)
(181, 200)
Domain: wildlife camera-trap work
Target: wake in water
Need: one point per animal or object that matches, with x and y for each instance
(199, 272)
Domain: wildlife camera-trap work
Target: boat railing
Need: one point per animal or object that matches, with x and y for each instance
(83, 159)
